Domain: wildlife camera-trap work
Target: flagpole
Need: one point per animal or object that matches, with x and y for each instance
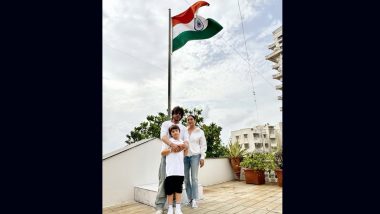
(169, 63)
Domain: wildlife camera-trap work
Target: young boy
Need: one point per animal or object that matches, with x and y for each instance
(174, 170)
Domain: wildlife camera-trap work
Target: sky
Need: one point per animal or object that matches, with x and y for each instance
(217, 74)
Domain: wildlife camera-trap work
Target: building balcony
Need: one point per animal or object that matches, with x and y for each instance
(280, 108)
(279, 97)
(275, 66)
(279, 87)
(272, 136)
(271, 46)
(277, 76)
(278, 31)
(273, 56)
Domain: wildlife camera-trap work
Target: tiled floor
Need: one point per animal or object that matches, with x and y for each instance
(229, 197)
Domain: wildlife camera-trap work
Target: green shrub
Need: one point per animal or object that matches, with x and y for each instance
(235, 150)
(258, 161)
(278, 159)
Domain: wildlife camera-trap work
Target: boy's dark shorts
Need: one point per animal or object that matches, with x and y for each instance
(173, 184)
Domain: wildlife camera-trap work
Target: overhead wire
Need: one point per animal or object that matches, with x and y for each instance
(249, 70)
(247, 60)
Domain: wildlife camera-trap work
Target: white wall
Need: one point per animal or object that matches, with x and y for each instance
(215, 171)
(138, 164)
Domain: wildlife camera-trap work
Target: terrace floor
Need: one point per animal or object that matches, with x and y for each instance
(229, 197)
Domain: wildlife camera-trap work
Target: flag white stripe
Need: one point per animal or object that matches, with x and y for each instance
(179, 28)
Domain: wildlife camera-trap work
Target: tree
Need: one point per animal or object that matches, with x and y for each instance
(214, 143)
(147, 129)
(195, 112)
(151, 129)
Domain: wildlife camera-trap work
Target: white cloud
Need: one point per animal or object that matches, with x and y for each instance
(207, 74)
(267, 31)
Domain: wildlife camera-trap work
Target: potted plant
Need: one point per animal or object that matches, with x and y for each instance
(278, 163)
(235, 154)
(255, 164)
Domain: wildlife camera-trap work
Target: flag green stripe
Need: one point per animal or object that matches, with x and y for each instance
(212, 29)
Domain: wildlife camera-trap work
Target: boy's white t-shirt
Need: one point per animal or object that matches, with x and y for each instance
(184, 135)
(174, 161)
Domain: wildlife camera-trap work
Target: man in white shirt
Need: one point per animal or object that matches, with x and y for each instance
(177, 114)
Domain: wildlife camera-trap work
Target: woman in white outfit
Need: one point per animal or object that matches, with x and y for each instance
(195, 157)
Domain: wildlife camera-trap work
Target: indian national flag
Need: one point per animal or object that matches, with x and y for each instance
(189, 26)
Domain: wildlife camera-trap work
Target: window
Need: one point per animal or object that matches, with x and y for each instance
(237, 137)
(258, 145)
(255, 135)
(271, 131)
(245, 138)
(266, 145)
(264, 136)
(246, 145)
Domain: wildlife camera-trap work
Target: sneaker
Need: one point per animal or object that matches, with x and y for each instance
(178, 211)
(194, 204)
(159, 212)
(188, 203)
(170, 211)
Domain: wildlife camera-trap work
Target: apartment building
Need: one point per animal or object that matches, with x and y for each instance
(276, 58)
(266, 137)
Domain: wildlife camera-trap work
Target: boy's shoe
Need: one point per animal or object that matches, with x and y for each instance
(159, 212)
(170, 211)
(194, 204)
(178, 211)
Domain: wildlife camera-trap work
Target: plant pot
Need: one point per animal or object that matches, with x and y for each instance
(235, 164)
(254, 176)
(279, 177)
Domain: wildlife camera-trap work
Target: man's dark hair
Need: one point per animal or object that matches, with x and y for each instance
(179, 110)
(173, 127)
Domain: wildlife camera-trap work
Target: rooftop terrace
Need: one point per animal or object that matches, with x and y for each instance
(229, 197)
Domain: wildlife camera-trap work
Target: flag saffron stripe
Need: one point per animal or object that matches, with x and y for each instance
(188, 15)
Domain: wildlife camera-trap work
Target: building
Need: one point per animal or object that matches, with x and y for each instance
(278, 131)
(276, 57)
(266, 138)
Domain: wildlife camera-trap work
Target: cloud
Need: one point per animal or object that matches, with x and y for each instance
(211, 74)
(267, 31)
